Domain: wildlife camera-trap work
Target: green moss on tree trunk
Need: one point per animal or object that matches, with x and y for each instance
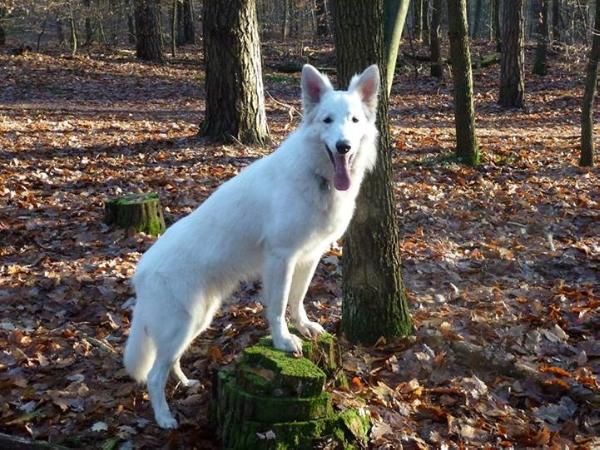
(141, 212)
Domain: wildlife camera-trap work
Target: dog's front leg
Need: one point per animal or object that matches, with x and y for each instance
(303, 273)
(277, 280)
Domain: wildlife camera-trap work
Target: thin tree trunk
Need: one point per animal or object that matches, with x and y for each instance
(512, 84)
(174, 28)
(60, 35)
(130, 29)
(73, 31)
(540, 65)
(497, 29)
(321, 17)
(375, 302)
(418, 20)
(235, 107)
(89, 31)
(2, 32)
(147, 30)
(395, 12)
(425, 20)
(586, 157)
(467, 149)
(556, 20)
(477, 24)
(189, 29)
(437, 69)
(285, 26)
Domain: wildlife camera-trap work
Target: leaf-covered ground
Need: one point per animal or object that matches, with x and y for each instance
(502, 262)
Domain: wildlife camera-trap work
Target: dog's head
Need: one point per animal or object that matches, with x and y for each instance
(341, 120)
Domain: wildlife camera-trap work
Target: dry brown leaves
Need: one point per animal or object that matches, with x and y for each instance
(505, 256)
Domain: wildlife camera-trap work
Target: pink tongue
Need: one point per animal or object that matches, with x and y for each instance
(341, 178)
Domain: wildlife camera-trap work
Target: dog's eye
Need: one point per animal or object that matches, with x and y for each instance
(354, 119)
(327, 120)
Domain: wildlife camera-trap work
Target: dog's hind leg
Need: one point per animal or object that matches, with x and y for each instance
(171, 338)
(202, 325)
(303, 273)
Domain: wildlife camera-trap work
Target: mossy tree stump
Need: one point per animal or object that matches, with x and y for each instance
(141, 212)
(272, 400)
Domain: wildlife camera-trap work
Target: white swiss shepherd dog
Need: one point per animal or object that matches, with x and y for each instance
(273, 221)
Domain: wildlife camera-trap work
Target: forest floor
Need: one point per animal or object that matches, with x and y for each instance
(502, 262)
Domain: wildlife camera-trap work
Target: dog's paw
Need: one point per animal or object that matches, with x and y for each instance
(289, 343)
(191, 382)
(310, 329)
(166, 421)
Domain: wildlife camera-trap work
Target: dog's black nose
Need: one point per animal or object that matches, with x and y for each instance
(342, 146)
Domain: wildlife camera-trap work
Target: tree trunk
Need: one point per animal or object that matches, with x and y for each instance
(188, 29)
(497, 29)
(556, 20)
(322, 22)
(174, 28)
(285, 26)
(73, 31)
(395, 12)
(587, 120)
(147, 30)
(437, 69)
(418, 20)
(477, 21)
(540, 65)
(425, 21)
(512, 85)
(60, 35)
(375, 302)
(89, 31)
(235, 108)
(141, 212)
(2, 32)
(130, 29)
(467, 149)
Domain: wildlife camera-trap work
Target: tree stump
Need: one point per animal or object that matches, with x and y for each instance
(273, 400)
(142, 212)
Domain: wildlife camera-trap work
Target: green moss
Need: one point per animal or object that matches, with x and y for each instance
(265, 370)
(246, 406)
(141, 212)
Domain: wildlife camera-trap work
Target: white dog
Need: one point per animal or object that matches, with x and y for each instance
(274, 220)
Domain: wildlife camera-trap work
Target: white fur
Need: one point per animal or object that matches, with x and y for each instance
(274, 220)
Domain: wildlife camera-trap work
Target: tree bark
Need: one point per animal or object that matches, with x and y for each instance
(437, 69)
(60, 35)
(322, 22)
(512, 84)
(467, 149)
(73, 31)
(174, 16)
(477, 21)
(395, 12)
(285, 26)
(89, 31)
(147, 30)
(186, 28)
(556, 20)
(425, 21)
(418, 19)
(540, 65)
(2, 32)
(587, 105)
(235, 108)
(375, 302)
(496, 21)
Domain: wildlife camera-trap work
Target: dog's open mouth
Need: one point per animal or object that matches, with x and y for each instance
(342, 162)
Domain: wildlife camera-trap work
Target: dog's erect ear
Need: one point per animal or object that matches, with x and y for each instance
(367, 85)
(314, 86)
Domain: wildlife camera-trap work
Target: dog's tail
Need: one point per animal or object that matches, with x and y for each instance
(139, 351)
